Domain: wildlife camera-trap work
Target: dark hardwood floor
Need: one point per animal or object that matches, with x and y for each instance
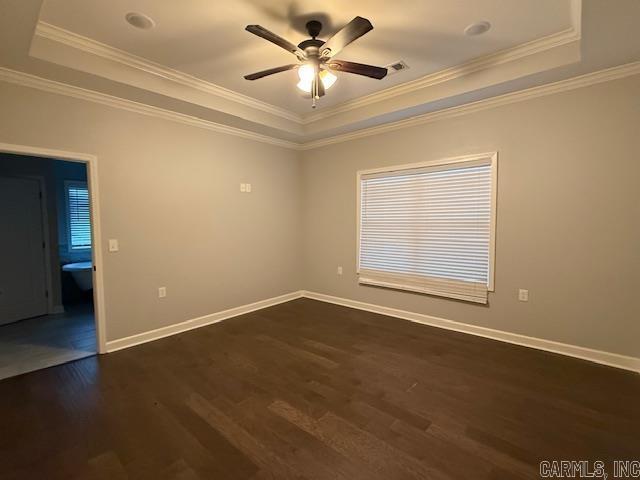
(309, 390)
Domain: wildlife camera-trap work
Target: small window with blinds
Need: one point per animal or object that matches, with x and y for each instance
(78, 216)
(429, 227)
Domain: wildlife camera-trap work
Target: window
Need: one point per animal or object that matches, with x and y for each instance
(429, 227)
(78, 216)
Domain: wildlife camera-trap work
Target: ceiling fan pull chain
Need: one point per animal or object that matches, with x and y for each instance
(314, 92)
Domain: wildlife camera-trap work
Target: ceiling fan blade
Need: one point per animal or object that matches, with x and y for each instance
(358, 68)
(278, 40)
(350, 32)
(271, 71)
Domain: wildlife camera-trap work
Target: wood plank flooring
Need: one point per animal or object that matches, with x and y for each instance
(308, 390)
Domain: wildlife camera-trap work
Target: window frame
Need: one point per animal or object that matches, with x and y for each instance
(67, 219)
(491, 157)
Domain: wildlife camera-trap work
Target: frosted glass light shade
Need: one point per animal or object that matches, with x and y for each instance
(326, 77)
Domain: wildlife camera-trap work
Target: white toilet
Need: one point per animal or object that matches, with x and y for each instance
(81, 273)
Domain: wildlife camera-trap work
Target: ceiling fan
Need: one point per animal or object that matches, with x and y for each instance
(316, 56)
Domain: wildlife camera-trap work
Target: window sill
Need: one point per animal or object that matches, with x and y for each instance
(474, 293)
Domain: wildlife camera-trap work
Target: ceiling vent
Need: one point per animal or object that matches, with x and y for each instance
(396, 67)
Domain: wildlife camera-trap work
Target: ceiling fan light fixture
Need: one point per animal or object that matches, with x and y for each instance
(326, 77)
(304, 86)
(306, 72)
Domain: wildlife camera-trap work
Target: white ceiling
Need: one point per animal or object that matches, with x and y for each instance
(207, 39)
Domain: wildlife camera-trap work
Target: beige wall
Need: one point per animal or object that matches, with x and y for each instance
(170, 194)
(568, 211)
(568, 219)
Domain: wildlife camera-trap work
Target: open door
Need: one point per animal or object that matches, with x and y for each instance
(23, 287)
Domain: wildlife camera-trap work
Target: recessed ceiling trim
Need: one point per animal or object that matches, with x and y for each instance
(88, 45)
(477, 28)
(498, 58)
(533, 47)
(47, 85)
(140, 20)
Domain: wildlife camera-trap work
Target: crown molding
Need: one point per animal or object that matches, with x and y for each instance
(93, 47)
(613, 73)
(88, 45)
(533, 47)
(52, 86)
(609, 74)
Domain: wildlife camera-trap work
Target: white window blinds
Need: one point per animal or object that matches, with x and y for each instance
(429, 229)
(78, 216)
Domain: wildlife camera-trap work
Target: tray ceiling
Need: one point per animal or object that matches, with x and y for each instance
(190, 67)
(207, 39)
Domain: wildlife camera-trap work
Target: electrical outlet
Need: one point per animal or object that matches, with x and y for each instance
(523, 295)
(340, 270)
(162, 292)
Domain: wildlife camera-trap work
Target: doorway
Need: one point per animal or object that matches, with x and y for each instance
(48, 285)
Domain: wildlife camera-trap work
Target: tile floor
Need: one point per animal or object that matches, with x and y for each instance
(45, 341)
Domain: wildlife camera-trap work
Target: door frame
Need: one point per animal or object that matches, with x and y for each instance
(51, 307)
(91, 162)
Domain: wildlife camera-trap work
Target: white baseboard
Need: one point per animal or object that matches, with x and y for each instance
(158, 333)
(597, 356)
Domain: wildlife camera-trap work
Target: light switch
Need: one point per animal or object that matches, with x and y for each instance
(113, 245)
(248, 188)
(339, 270)
(162, 292)
(243, 187)
(523, 295)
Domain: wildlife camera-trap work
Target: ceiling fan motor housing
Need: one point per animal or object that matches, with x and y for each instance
(312, 45)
